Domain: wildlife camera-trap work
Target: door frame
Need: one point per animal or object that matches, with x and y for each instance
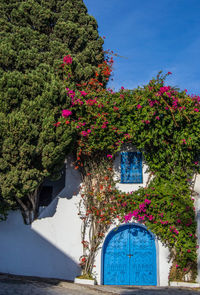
(122, 225)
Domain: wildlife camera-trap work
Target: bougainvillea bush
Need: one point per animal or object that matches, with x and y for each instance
(158, 120)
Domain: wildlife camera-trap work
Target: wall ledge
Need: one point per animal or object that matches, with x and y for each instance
(184, 284)
(84, 281)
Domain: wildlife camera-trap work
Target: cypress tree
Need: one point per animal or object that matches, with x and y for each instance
(35, 35)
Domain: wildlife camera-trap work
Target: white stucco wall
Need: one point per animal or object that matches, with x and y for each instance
(43, 249)
(197, 206)
(51, 246)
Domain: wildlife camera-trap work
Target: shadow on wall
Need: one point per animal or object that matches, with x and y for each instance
(71, 188)
(158, 291)
(25, 252)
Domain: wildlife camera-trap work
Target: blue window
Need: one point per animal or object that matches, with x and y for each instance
(131, 167)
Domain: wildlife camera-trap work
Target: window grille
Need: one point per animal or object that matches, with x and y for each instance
(131, 167)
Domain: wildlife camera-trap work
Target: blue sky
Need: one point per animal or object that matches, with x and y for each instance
(151, 35)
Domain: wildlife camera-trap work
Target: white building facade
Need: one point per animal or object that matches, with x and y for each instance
(51, 246)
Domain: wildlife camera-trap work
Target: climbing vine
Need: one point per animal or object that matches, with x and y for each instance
(163, 123)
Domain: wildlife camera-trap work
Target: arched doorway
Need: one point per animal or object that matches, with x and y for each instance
(129, 257)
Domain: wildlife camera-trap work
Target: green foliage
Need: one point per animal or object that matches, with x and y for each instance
(32, 148)
(35, 32)
(35, 35)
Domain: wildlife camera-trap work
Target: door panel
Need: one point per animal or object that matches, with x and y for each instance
(143, 261)
(129, 257)
(116, 261)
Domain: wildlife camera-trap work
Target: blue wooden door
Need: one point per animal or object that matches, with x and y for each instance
(129, 257)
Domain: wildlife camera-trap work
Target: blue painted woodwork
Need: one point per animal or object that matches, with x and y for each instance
(129, 257)
(131, 167)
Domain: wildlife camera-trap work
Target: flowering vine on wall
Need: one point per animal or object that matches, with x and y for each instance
(158, 120)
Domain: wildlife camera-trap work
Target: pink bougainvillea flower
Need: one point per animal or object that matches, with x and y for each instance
(188, 250)
(169, 73)
(67, 59)
(196, 110)
(168, 94)
(88, 131)
(66, 113)
(147, 122)
(84, 133)
(183, 141)
(176, 231)
(57, 124)
(142, 206)
(147, 201)
(127, 135)
(91, 102)
(122, 88)
(157, 118)
(151, 103)
(196, 163)
(70, 93)
(177, 265)
(139, 106)
(164, 89)
(109, 156)
(83, 93)
(104, 125)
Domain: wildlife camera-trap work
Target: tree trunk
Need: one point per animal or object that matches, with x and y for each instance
(30, 207)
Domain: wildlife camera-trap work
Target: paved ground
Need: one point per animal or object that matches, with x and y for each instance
(10, 285)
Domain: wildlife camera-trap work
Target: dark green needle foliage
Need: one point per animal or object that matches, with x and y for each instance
(34, 37)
